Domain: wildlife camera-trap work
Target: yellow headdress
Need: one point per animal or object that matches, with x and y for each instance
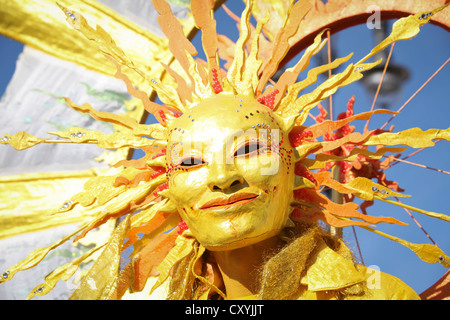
(135, 193)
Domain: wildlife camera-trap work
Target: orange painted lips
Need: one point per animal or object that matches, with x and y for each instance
(235, 200)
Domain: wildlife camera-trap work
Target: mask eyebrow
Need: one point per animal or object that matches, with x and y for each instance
(252, 139)
(257, 131)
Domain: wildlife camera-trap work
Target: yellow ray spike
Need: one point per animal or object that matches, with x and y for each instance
(116, 140)
(151, 221)
(201, 90)
(115, 54)
(301, 182)
(294, 89)
(308, 101)
(157, 162)
(36, 256)
(250, 78)
(436, 215)
(295, 14)
(403, 29)
(155, 131)
(203, 13)
(289, 77)
(426, 252)
(303, 150)
(100, 190)
(183, 88)
(103, 40)
(169, 223)
(322, 159)
(146, 215)
(179, 45)
(183, 246)
(22, 140)
(64, 272)
(366, 189)
(321, 128)
(113, 140)
(414, 137)
(149, 105)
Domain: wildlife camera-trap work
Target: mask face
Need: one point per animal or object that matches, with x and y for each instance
(230, 172)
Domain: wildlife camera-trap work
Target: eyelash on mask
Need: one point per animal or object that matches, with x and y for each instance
(191, 161)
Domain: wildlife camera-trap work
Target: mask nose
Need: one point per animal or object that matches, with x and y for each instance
(223, 177)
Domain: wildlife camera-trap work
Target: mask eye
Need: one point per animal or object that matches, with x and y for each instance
(191, 161)
(248, 148)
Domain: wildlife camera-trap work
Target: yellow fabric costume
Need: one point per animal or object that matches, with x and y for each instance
(206, 188)
(324, 282)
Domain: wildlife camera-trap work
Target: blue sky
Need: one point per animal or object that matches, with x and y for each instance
(9, 50)
(429, 109)
(422, 56)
